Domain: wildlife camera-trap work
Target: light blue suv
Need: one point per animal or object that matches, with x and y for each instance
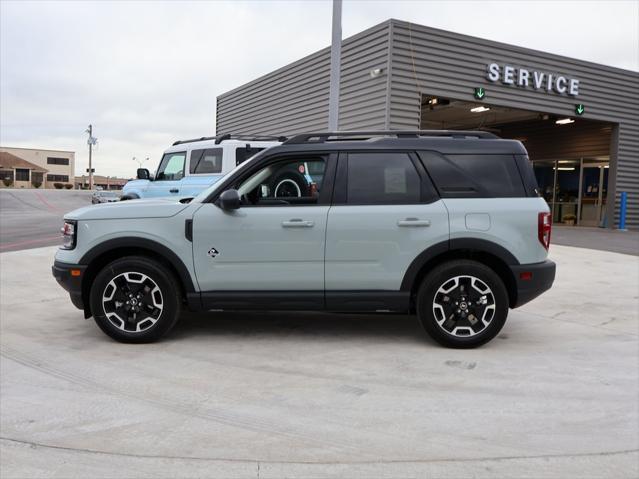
(445, 224)
(190, 166)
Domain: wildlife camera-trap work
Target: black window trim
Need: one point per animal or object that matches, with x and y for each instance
(183, 166)
(427, 192)
(326, 194)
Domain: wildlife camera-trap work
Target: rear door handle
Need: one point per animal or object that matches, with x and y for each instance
(413, 222)
(173, 190)
(298, 223)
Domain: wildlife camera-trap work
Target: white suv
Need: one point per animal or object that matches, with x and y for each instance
(445, 224)
(190, 166)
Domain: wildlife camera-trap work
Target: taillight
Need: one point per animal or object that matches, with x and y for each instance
(544, 225)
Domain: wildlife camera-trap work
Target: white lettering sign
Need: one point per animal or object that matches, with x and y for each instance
(521, 77)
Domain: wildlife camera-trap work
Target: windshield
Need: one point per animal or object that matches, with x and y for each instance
(204, 194)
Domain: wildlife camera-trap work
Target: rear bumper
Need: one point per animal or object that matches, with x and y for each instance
(72, 284)
(532, 280)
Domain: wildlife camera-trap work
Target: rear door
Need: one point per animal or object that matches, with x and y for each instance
(385, 213)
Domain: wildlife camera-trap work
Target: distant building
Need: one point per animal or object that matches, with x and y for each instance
(35, 168)
(104, 182)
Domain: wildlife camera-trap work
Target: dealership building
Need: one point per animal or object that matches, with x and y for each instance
(577, 119)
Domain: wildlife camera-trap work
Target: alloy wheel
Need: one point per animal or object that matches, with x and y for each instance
(132, 302)
(464, 306)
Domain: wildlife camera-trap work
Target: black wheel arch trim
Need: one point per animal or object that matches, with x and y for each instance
(142, 243)
(474, 245)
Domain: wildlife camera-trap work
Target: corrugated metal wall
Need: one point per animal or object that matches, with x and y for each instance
(294, 98)
(436, 62)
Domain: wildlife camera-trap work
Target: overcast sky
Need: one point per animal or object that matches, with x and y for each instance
(147, 73)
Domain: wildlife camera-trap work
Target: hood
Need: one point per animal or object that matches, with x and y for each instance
(135, 184)
(130, 209)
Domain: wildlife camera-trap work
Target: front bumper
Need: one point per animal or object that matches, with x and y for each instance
(532, 280)
(70, 277)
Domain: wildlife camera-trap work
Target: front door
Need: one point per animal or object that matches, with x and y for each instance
(168, 179)
(274, 241)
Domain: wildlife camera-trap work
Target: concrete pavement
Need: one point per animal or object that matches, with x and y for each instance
(556, 394)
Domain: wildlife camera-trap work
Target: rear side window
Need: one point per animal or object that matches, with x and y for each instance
(472, 176)
(206, 161)
(382, 179)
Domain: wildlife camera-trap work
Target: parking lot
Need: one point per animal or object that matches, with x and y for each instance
(289, 395)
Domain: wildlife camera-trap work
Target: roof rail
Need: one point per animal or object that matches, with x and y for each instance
(327, 136)
(228, 136)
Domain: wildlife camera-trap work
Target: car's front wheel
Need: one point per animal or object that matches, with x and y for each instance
(462, 304)
(135, 299)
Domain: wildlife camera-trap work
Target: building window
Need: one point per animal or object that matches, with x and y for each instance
(6, 175)
(60, 178)
(57, 161)
(22, 174)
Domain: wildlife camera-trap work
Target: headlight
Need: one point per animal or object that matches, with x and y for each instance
(68, 234)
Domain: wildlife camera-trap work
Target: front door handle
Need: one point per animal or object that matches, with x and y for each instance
(413, 222)
(298, 223)
(173, 190)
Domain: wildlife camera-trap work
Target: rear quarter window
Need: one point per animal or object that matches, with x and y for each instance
(474, 176)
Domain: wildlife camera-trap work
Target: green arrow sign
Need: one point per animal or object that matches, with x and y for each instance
(580, 109)
(480, 93)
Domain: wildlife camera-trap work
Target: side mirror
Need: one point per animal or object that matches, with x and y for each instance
(229, 200)
(143, 174)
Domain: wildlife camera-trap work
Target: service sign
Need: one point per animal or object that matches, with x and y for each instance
(525, 78)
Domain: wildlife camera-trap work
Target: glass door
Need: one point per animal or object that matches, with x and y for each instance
(593, 191)
(558, 182)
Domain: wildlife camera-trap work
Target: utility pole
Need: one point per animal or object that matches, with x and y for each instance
(91, 141)
(336, 51)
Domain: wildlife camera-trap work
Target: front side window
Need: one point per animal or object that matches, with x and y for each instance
(206, 161)
(171, 167)
(382, 179)
(288, 182)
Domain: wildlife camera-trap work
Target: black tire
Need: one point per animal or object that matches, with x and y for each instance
(454, 310)
(131, 196)
(285, 183)
(116, 323)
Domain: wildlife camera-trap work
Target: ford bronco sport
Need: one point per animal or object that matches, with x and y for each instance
(444, 224)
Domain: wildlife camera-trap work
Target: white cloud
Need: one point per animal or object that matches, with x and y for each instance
(147, 73)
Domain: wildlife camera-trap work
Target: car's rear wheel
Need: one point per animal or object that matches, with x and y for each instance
(462, 304)
(135, 300)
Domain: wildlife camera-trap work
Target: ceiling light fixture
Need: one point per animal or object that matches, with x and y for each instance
(375, 72)
(565, 121)
(565, 168)
(479, 109)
